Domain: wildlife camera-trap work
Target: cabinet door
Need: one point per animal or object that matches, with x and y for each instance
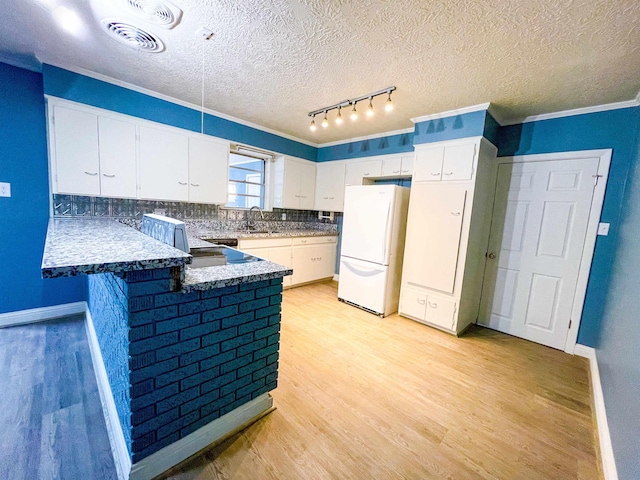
(291, 187)
(413, 303)
(117, 158)
(441, 312)
(434, 226)
(358, 171)
(428, 165)
(307, 185)
(325, 260)
(282, 256)
(303, 263)
(208, 170)
(330, 187)
(76, 152)
(406, 165)
(163, 165)
(458, 162)
(391, 167)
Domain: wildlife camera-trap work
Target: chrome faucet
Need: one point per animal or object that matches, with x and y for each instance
(251, 224)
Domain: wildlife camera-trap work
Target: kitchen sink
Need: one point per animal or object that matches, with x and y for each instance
(256, 232)
(219, 255)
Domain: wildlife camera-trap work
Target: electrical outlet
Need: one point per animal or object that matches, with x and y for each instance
(5, 189)
(284, 216)
(603, 229)
(159, 211)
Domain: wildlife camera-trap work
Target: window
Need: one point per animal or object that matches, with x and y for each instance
(246, 181)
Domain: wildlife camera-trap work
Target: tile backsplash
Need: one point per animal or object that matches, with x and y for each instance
(204, 216)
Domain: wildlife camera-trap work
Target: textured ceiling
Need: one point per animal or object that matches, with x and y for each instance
(272, 61)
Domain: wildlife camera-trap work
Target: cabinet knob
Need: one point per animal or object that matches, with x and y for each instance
(366, 174)
(492, 255)
(456, 214)
(108, 176)
(421, 302)
(331, 198)
(182, 183)
(448, 173)
(93, 174)
(433, 305)
(405, 171)
(325, 198)
(396, 171)
(435, 174)
(195, 184)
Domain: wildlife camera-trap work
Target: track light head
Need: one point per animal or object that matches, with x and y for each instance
(370, 108)
(388, 106)
(354, 112)
(339, 116)
(313, 127)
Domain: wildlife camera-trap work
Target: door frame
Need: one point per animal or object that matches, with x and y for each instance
(597, 200)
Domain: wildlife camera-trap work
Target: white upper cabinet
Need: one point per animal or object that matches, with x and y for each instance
(330, 178)
(406, 165)
(400, 166)
(74, 148)
(117, 141)
(453, 162)
(358, 172)
(163, 165)
(294, 184)
(208, 170)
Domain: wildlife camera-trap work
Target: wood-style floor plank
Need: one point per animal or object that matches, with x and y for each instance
(364, 397)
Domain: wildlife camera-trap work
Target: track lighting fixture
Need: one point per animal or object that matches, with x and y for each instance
(388, 106)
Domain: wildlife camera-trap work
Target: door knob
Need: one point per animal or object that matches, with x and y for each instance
(492, 255)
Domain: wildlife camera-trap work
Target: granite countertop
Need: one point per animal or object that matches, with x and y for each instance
(276, 234)
(228, 275)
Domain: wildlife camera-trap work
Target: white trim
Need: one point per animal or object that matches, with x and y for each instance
(367, 137)
(638, 98)
(171, 455)
(496, 116)
(447, 143)
(451, 113)
(151, 93)
(336, 277)
(591, 234)
(119, 448)
(604, 436)
(34, 315)
(573, 112)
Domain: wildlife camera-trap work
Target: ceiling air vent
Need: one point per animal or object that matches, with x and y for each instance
(133, 36)
(158, 12)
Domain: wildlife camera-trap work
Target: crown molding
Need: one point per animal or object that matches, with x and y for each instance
(26, 63)
(575, 111)
(638, 98)
(177, 101)
(367, 137)
(451, 113)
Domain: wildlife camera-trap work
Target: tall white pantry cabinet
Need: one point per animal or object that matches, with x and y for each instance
(447, 233)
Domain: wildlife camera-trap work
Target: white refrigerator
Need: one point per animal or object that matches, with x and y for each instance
(372, 246)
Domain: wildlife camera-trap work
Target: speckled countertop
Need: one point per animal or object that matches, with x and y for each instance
(273, 234)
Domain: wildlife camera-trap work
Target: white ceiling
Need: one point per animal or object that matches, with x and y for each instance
(272, 61)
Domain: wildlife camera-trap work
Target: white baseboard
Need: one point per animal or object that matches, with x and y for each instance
(171, 455)
(336, 278)
(119, 448)
(606, 449)
(34, 315)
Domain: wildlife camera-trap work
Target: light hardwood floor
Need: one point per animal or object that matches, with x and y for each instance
(361, 397)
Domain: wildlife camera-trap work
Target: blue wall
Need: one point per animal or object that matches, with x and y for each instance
(400, 143)
(79, 88)
(614, 129)
(24, 216)
(450, 128)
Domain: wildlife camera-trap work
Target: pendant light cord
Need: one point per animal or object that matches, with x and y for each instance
(202, 92)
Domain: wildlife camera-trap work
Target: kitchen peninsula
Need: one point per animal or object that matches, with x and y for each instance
(187, 356)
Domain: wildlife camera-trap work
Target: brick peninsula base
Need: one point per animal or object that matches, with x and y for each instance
(177, 361)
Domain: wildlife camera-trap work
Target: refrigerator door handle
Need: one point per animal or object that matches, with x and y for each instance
(387, 240)
(362, 271)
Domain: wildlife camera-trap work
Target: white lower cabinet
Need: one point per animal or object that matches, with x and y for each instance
(428, 308)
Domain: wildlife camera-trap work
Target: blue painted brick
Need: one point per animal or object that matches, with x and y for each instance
(265, 352)
(271, 378)
(218, 382)
(178, 424)
(154, 343)
(201, 377)
(235, 363)
(141, 303)
(142, 388)
(233, 386)
(159, 273)
(273, 339)
(199, 355)
(237, 298)
(275, 299)
(237, 319)
(143, 331)
(217, 360)
(152, 287)
(268, 291)
(268, 311)
(177, 400)
(273, 319)
(218, 404)
(199, 330)
(155, 423)
(263, 372)
(178, 349)
(272, 358)
(199, 306)
(143, 414)
(176, 375)
(219, 336)
(254, 285)
(200, 423)
(246, 390)
(153, 315)
(252, 367)
(233, 405)
(153, 397)
(198, 402)
(252, 347)
(253, 326)
(219, 313)
(177, 323)
(139, 455)
(138, 275)
(236, 342)
(175, 298)
(140, 361)
(253, 305)
(276, 281)
(144, 441)
(265, 332)
(157, 368)
(267, 388)
(218, 292)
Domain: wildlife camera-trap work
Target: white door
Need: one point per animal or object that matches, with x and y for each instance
(538, 229)
(366, 224)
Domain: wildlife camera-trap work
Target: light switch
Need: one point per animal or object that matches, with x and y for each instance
(603, 229)
(5, 189)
